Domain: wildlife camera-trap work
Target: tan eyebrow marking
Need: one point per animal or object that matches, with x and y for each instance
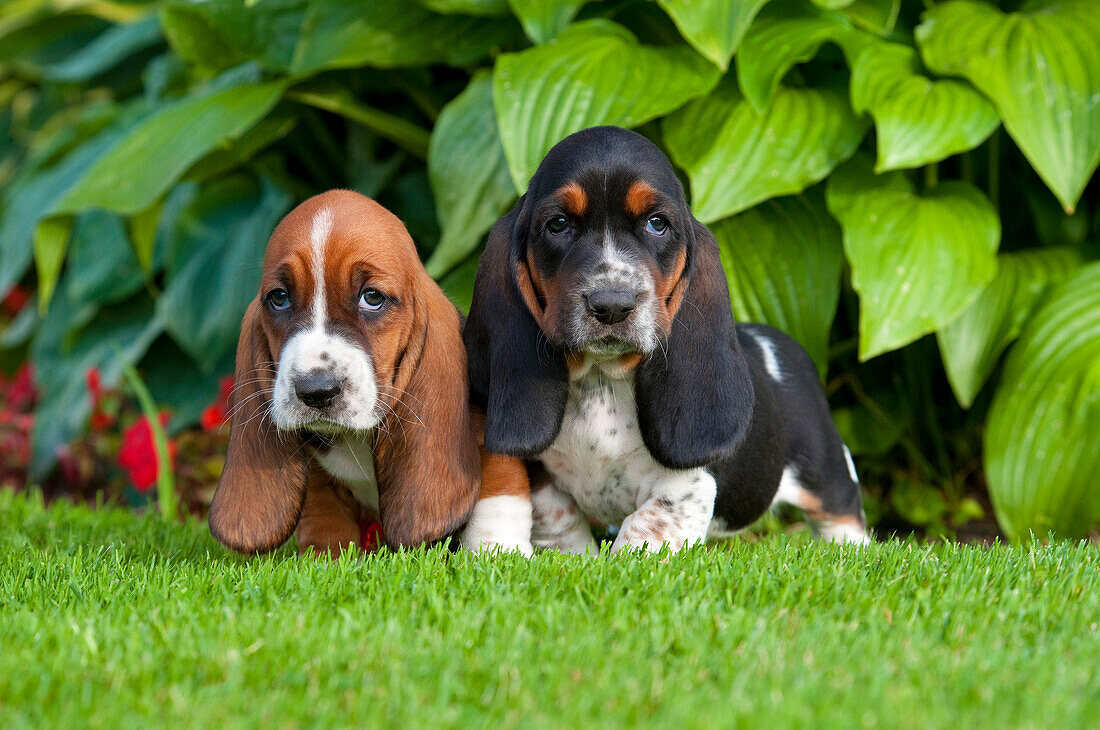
(574, 199)
(639, 198)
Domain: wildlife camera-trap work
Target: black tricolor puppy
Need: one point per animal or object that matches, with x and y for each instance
(602, 347)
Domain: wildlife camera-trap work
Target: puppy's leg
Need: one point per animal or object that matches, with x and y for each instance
(501, 519)
(330, 517)
(559, 523)
(677, 511)
(830, 499)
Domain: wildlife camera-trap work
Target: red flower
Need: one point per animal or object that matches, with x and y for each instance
(94, 379)
(16, 299)
(101, 420)
(21, 393)
(370, 535)
(138, 455)
(215, 416)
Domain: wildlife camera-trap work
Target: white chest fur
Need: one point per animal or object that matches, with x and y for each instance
(350, 460)
(599, 457)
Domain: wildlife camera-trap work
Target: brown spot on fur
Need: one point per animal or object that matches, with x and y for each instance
(541, 294)
(849, 520)
(574, 362)
(639, 198)
(670, 290)
(630, 361)
(503, 476)
(573, 199)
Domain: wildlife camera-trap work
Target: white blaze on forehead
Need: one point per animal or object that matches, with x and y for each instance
(319, 232)
(313, 349)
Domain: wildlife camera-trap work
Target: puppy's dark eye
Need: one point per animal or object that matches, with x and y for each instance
(557, 224)
(278, 300)
(657, 225)
(372, 300)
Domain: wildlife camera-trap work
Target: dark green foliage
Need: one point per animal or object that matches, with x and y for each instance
(878, 171)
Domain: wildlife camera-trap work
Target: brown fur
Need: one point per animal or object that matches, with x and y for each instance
(330, 517)
(573, 199)
(639, 199)
(670, 291)
(541, 294)
(426, 455)
(262, 487)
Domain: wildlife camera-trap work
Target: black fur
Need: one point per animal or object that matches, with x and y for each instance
(515, 376)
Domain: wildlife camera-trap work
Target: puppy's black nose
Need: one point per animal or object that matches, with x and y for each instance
(610, 305)
(318, 389)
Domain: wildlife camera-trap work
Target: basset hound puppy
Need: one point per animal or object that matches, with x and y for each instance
(351, 402)
(602, 348)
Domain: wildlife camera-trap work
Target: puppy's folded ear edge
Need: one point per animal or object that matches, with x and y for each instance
(262, 487)
(426, 456)
(515, 376)
(695, 397)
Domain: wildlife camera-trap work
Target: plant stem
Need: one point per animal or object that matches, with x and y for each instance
(405, 134)
(167, 502)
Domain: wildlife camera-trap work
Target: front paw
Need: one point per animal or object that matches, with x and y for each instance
(480, 546)
(499, 523)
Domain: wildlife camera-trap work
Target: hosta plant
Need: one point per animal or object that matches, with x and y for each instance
(903, 186)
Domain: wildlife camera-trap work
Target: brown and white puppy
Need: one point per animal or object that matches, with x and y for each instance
(603, 350)
(351, 400)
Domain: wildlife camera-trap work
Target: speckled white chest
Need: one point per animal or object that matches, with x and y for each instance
(599, 458)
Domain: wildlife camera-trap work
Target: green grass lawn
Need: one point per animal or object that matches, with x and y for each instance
(112, 620)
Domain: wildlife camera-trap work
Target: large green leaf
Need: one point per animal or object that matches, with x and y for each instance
(715, 29)
(736, 158)
(113, 46)
(468, 173)
(306, 36)
(104, 268)
(467, 7)
(594, 73)
(972, 343)
(918, 120)
(224, 33)
(62, 355)
(34, 192)
(141, 166)
(1041, 67)
(876, 16)
(783, 261)
(918, 261)
(213, 265)
(786, 34)
(543, 20)
(1042, 442)
(392, 34)
(458, 285)
(51, 239)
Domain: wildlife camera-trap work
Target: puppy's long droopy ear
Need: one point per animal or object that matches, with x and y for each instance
(263, 485)
(514, 374)
(426, 454)
(695, 397)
